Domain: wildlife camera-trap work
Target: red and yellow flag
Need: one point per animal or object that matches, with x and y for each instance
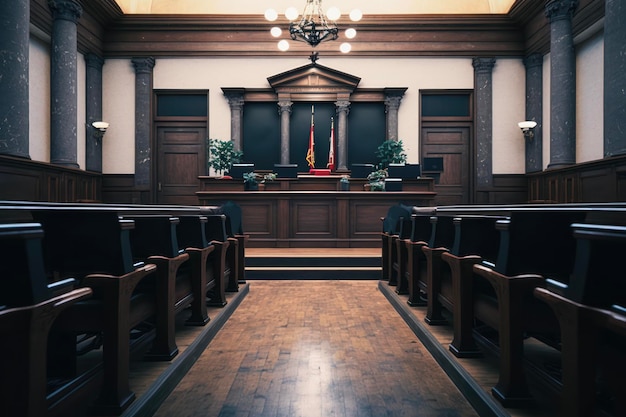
(331, 150)
(310, 154)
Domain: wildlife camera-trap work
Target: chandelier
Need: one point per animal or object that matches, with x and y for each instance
(313, 27)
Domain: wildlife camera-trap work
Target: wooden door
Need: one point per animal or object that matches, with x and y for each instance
(181, 158)
(452, 143)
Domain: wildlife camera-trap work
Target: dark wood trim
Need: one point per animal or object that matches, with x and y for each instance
(602, 180)
(23, 179)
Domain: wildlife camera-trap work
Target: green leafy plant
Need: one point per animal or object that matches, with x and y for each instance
(222, 155)
(377, 179)
(250, 181)
(390, 152)
(269, 177)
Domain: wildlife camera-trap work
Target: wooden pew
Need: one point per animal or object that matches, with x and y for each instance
(533, 244)
(476, 241)
(441, 235)
(591, 309)
(28, 308)
(225, 249)
(395, 225)
(234, 230)
(421, 232)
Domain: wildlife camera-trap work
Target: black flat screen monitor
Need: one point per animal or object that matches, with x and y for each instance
(433, 164)
(237, 170)
(286, 170)
(361, 170)
(404, 171)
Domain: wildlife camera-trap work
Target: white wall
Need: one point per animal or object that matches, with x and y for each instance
(39, 100)
(590, 100)
(509, 108)
(118, 108)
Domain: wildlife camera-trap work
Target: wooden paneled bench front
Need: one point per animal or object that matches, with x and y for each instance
(533, 242)
(29, 306)
(93, 242)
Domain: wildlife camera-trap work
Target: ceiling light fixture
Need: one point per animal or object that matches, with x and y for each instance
(314, 26)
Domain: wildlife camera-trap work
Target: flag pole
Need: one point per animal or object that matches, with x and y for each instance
(310, 155)
(331, 148)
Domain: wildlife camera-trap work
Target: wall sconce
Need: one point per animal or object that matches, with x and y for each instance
(100, 129)
(528, 128)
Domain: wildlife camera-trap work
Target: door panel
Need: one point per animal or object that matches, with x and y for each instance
(452, 143)
(181, 153)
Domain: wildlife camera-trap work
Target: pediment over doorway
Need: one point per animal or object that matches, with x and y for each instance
(313, 80)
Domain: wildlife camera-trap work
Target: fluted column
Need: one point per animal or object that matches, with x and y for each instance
(483, 90)
(562, 83)
(343, 108)
(614, 79)
(284, 109)
(63, 84)
(15, 21)
(393, 97)
(93, 147)
(236, 102)
(534, 111)
(143, 106)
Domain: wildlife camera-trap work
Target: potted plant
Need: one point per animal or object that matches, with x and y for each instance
(250, 181)
(377, 180)
(222, 155)
(390, 152)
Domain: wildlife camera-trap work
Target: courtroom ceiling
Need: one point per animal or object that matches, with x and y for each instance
(367, 7)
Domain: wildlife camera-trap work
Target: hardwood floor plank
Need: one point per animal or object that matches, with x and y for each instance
(318, 349)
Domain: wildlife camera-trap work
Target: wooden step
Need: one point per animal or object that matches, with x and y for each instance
(313, 263)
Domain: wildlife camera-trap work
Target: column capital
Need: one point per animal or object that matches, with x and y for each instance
(65, 10)
(560, 9)
(483, 64)
(392, 102)
(94, 61)
(533, 60)
(143, 65)
(342, 106)
(284, 106)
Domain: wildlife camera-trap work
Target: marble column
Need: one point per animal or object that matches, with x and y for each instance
(483, 91)
(393, 97)
(236, 102)
(562, 83)
(15, 21)
(534, 111)
(143, 109)
(93, 145)
(284, 109)
(614, 78)
(343, 108)
(63, 82)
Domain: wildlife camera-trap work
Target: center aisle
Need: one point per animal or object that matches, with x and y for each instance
(315, 349)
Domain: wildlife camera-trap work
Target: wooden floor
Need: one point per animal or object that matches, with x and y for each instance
(318, 349)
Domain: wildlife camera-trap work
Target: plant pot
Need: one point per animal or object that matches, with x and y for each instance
(250, 187)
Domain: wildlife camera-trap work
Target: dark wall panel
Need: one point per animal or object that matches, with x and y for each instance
(366, 130)
(261, 134)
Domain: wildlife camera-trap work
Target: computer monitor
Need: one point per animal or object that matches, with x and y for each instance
(433, 164)
(393, 184)
(404, 171)
(237, 170)
(286, 170)
(361, 170)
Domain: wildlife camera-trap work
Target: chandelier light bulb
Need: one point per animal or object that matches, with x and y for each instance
(350, 33)
(356, 15)
(276, 31)
(283, 45)
(345, 47)
(291, 14)
(333, 13)
(271, 15)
